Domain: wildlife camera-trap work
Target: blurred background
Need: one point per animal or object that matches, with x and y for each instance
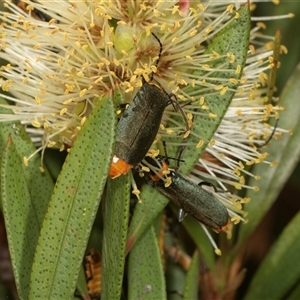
(288, 202)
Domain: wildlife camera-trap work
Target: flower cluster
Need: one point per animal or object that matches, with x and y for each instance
(59, 61)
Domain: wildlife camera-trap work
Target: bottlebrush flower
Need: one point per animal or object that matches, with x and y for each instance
(64, 56)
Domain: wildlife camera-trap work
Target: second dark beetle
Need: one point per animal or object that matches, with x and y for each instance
(192, 198)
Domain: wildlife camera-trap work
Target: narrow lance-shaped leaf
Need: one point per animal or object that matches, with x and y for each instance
(116, 213)
(175, 280)
(295, 294)
(145, 272)
(73, 207)
(200, 238)
(279, 271)
(24, 216)
(81, 285)
(40, 184)
(192, 279)
(231, 45)
(21, 222)
(144, 214)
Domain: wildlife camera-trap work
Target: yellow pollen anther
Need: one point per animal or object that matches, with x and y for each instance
(145, 169)
(168, 181)
(235, 219)
(237, 186)
(283, 49)
(63, 111)
(136, 192)
(218, 252)
(212, 143)
(237, 15)
(36, 124)
(51, 144)
(238, 69)
(83, 120)
(200, 144)
(82, 92)
(211, 115)
(230, 8)
(274, 163)
(25, 161)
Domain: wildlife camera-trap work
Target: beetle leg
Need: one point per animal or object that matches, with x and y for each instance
(181, 215)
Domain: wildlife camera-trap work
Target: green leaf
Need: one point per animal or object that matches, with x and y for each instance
(193, 227)
(145, 271)
(295, 294)
(192, 279)
(196, 232)
(145, 213)
(81, 285)
(20, 219)
(31, 210)
(114, 236)
(175, 277)
(40, 185)
(73, 207)
(279, 271)
(285, 150)
(233, 38)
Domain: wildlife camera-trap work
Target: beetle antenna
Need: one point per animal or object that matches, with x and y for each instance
(167, 157)
(159, 54)
(271, 136)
